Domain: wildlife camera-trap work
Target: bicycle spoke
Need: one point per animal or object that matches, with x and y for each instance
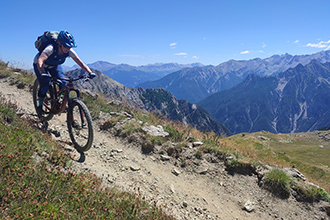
(77, 128)
(80, 126)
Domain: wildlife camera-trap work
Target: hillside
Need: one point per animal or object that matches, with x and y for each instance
(193, 181)
(158, 100)
(296, 100)
(194, 84)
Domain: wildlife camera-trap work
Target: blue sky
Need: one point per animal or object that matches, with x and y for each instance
(141, 32)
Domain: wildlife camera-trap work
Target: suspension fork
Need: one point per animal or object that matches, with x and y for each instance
(82, 116)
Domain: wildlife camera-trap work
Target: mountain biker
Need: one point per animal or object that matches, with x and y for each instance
(48, 63)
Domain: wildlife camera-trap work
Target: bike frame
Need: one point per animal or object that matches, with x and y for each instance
(56, 107)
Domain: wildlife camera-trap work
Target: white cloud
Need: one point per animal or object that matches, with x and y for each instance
(263, 45)
(245, 52)
(180, 54)
(296, 42)
(173, 45)
(131, 55)
(195, 57)
(321, 44)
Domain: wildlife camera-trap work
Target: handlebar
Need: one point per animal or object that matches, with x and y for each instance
(71, 79)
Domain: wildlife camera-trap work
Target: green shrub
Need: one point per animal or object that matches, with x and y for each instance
(7, 109)
(278, 182)
(129, 128)
(234, 164)
(173, 133)
(111, 122)
(147, 146)
(198, 154)
(309, 193)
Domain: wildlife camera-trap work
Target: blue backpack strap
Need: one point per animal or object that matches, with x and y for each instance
(56, 59)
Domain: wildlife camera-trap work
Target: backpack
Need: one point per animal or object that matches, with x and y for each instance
(49, 37)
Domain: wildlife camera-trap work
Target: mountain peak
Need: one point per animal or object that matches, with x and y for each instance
(194, 84)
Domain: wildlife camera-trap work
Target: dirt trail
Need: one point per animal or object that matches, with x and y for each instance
(208, 192)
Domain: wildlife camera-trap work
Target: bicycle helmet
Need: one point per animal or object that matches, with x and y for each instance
(66, 39)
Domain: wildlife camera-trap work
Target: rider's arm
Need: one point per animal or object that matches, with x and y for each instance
(44, 56)
(78, 61)
(82, 65)
(41, 60)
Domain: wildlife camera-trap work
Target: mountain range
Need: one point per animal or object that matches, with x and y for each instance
(194, 84)
(295, 100)
(282, 93)
(158, 100)
(131, 76)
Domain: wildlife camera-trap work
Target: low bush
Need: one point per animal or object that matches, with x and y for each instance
(308, 192)
(278, 182)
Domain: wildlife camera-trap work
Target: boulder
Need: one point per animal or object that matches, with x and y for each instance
(155, 131)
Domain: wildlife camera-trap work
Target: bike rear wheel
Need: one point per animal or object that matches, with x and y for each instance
(45, 113)
(80, 125)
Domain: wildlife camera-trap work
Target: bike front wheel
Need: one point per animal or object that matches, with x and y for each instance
(80, 125)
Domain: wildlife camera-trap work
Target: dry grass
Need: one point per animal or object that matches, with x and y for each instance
(308, 152)
(34, 171)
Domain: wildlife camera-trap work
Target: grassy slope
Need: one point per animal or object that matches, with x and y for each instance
(36, 181)
(308, 152)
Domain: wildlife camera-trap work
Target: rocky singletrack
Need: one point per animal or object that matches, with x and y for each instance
(202, 191)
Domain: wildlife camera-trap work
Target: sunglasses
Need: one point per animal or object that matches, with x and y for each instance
(66, 47)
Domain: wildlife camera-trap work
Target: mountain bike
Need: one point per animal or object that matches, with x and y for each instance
(67, 99)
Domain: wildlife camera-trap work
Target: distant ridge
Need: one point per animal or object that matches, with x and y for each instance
(194, 84)
(158, 100)
(131, 76)
(297, 100)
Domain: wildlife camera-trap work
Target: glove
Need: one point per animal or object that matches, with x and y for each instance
(92, 75)
(45, 74)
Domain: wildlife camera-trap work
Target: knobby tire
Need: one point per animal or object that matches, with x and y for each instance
(81, 135)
